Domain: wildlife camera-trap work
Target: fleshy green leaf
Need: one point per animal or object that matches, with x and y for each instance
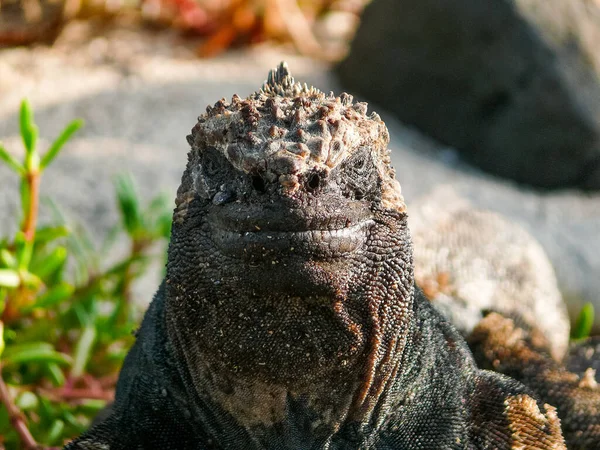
(54, 296)
(32, 161)
(11, 161)
(50, 263)
(128, 203)
(8, 259)
(35, 352)
(46, 410)
(60, 141)
(55, 374)
(159, 214)
(46, 234)
(3, 295)
(4, 419)
(28, 129)
(77, 318)
(93, 405)
(29, 346)
(72, 420)
(82, 248)
(1, 338)
(117, 354)
(27, 401)
(9, 278)
(85, 317)
(55, 432)
(584, 324)
(29, 279)
(83, 351)
(24, 249)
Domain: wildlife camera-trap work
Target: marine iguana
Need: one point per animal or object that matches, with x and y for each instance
(289, 318)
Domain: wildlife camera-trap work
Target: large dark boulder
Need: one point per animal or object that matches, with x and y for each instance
(513, 84)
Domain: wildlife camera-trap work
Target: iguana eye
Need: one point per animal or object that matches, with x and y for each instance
(360, 162)
(359, 176)
(215, 167)
(214, 174)
(211, 166)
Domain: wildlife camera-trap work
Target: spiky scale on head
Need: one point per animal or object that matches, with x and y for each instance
(281, 82)
(286, 130)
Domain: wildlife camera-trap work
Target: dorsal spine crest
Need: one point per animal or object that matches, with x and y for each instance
(281, 82)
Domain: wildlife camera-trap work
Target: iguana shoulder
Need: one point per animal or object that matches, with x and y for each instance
(471, 262)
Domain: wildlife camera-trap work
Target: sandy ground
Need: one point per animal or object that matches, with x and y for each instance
(140, 94)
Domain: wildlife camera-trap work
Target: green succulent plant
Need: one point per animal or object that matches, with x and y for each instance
(66, 318)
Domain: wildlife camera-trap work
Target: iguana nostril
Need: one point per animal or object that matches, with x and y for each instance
(258, 183)
(313, 182)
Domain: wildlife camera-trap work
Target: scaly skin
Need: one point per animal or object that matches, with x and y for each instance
(512, 347)
(289, 317)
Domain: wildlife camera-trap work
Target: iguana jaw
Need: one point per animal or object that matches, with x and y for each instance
(278, 214)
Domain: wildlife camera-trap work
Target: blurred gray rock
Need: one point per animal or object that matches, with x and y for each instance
(514, 85)
(469, 261)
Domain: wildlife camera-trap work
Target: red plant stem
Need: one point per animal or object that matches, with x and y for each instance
(92, 383)
(33, 182)
(16, 417)
(109, 381)
(79, 394)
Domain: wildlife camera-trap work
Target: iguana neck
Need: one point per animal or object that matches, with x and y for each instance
(349, 404)
(266, 413)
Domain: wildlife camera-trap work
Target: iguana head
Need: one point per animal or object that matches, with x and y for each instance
(289, 234)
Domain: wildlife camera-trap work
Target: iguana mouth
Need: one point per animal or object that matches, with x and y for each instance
(281, 218)
(277, 245)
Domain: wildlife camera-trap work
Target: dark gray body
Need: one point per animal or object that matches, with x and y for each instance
(441, 400)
